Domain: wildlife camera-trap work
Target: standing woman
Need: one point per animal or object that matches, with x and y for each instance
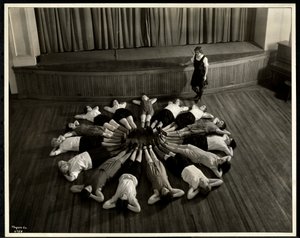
(199, 78)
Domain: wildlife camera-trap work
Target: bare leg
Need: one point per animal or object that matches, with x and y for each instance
(131, 122)
(109, 126)
(153, 125)
(147, 155)
(125, 123)
(140, 155)
(117, 125)
(143, 120)
(112, 140)
(148, 119)
(166, 128)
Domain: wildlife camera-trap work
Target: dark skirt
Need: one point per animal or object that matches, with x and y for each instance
(121, 113)
(176, 164)
(165, 116)
(99, 155)
(131, 167)
(184, 119)
(90, 142)
(197, 140)
(101, 119)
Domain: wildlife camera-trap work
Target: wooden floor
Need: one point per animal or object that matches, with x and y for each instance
(256, 195)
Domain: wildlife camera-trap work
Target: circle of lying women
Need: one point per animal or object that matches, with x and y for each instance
(178, 139)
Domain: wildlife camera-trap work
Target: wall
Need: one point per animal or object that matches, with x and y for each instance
(272, 26)
(23, 41)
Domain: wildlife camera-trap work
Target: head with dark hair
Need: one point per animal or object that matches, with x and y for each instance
(198, 49)
(225, 167)
(232, 144)
(122, 204)
(205, 190)
(204, 186)
(86, 192)
(165, 195)
(220, 123)
(68, 128)
(230, 141)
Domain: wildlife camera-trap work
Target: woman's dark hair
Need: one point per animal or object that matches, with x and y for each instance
(166, 198)
(223, 126)
(85, 194)
(204, 191)
(232, 144)
(121, 204)
(198, 48)
(67, 128)
(225, 167)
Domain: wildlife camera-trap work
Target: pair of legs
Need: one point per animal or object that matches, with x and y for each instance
(198, 89)
(145, 119)
(128, 122)
(166, 190)
(106, 171)
(112, 125)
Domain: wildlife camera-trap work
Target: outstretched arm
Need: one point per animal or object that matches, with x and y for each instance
(137, 102)
(153, 100)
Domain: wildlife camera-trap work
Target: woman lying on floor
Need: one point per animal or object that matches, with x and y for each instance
(81, 129)
(107, 170)
(182, 167)
(64, 144)
(188, 118)
(125, 195)
(211, 142)
(122, 115)
(167, 115)
(98, 119)
(147, 109)
(201, 126)
(158, 177)
(87, 160)
(219, 165)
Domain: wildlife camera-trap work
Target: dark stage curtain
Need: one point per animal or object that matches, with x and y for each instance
(80, 29)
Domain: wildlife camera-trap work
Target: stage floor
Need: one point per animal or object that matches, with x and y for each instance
(142, 58)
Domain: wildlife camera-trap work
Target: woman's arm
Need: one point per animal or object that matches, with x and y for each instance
(205, 61)
(97, 198)
(154, 197)
(55, 152)
(70, 134)
(135, 207)
(137, 102)
(192, 193)
(76, 188)
(177, 192)
(70, 178)
(109, 204)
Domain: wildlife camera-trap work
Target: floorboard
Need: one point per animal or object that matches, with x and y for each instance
(256, 195)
